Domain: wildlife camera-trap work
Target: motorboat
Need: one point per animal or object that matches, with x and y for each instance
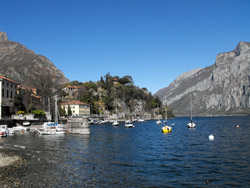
(115, 123)
(158, 122)
(103, 121)
(128, 121)
(51, 128)
(20, 128)
(26, 123)
(129, 125)
(141, 120)
(3, 130)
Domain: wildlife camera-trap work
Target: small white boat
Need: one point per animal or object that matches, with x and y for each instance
(191, 124)
(158, 122)
(20, 128)
(103, 121)
(26, 123)
(129, 125)
(141, 120)
(128, 121)
(3, 130)
(115, 123)
(51, 128)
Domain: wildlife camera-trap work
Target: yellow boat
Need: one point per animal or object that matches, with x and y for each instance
(166, 129)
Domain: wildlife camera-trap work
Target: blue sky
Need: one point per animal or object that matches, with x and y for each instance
(154, 41)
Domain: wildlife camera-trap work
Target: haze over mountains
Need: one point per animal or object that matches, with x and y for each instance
(220, 89)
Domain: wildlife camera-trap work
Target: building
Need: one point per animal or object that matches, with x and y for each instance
(31, 90)
(78, 108)
(8, 90)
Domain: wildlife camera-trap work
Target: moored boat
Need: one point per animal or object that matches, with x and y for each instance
(158, 122)
(115, 123)
(129, 125)
(3, 130)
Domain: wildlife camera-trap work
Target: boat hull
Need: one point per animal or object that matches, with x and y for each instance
(191, 125)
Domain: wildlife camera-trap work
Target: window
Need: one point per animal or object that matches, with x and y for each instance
(3, 83)
(7, 93)
(11, 95)
(7, 84)
(2, 92)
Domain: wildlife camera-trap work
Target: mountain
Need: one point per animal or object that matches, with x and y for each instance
(220, 89)
(26, 67)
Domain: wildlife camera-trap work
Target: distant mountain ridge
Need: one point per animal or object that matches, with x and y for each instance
(24, 66)
(220, 89)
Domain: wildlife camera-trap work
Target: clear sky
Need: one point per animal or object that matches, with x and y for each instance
(154, 41)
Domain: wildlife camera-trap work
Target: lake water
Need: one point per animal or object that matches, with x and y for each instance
(141, 156)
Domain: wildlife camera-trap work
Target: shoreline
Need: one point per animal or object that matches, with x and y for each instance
(12, 167)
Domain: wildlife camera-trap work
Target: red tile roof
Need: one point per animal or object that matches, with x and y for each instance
(73, 102)
(5, 78)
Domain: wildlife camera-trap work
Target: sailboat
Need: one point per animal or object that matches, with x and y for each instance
(166, 128)
(52, 128)
(116, 122)
(191, 124)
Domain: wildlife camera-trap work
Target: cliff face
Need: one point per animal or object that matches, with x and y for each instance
(221, 89)
(24, 66)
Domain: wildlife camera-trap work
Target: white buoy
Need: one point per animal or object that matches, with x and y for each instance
(237, 126)
(211, 137)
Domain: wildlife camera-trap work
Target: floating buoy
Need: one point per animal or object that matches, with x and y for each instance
(237, 126)
(211, 137)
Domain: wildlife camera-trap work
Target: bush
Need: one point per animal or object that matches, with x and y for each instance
(20, 112)
(38, 112)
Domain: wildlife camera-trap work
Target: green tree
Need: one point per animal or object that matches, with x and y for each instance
(69, 111)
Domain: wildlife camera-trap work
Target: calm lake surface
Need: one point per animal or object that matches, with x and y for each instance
(141, 156)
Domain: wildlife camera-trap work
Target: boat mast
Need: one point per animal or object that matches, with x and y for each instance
(56, 117)
(191, 108)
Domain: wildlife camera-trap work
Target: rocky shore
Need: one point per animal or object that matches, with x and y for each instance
(12, 167)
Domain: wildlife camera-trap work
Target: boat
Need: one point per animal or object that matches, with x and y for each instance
(158, 122)
(26, 123)
(115, 123)
(52, 128)
(129, 125)
(191, 124)
(20, 128)
(3, 130)
(166, 128)
(128, 121)
(103, 121)
(141, 120)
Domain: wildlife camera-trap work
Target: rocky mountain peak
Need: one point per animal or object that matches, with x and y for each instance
(220, 89)
(3, 36)
(25, 66)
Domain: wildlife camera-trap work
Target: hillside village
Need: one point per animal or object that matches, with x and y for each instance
(110, 98)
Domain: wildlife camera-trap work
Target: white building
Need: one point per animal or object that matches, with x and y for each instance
(8, 90)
